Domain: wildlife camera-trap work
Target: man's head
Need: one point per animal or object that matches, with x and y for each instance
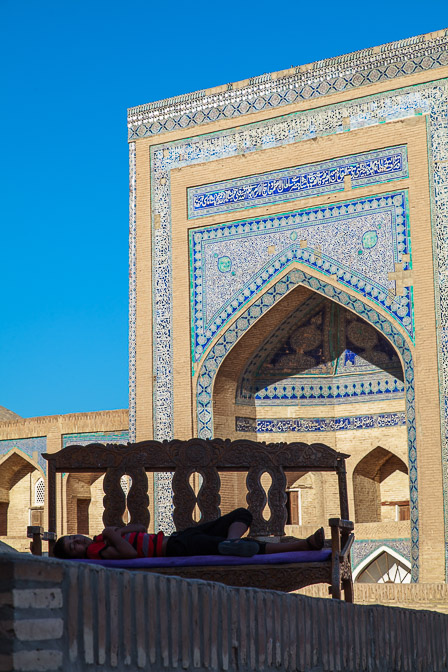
(71, 546)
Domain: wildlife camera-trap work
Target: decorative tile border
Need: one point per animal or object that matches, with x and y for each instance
(36, 444)
(360, 242)
(271, 91)
(319, 392)
(383, 165)
(428, 99)
(343, 423)
(132, 289)
(362, 548)
(220, 349)
(84, 438)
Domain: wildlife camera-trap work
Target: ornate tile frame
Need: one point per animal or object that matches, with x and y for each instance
(429, 98)
(271, 296)
(306, 223)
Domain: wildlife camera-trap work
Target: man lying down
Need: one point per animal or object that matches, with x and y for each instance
(218, 537)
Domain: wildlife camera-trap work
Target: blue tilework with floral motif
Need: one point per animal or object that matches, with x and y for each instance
(358, 241)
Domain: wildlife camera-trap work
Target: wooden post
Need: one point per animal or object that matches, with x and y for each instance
(35, 533)
(51, 502)
(51, 538)
(343, 495)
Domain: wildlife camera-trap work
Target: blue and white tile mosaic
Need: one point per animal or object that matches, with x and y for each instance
(33, 448)
(343, 423)
(426, 99)
(270, 92)
(383, 165)
(362, 548)
(320, 392)
(358, 241)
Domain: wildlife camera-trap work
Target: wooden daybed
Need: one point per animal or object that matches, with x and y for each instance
(208, 457)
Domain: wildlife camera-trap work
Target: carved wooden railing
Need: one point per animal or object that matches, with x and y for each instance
(206, 457)
(209, 458)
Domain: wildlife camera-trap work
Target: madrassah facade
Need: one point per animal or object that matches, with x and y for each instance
(288, 282)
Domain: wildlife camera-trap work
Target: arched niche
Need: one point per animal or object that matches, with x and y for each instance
(384, 565)
(223, 364)
(19, 477)
(380, 484)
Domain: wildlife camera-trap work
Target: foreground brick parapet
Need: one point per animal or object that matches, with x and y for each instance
(66, 617)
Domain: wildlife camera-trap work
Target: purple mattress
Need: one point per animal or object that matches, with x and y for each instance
(210, 560)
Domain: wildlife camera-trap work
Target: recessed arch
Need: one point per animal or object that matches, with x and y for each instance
(15, 460)
(369, 478)
(17, 492)
(291, 279)
(376, 555)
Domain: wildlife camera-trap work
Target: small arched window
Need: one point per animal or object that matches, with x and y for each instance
(39, 492)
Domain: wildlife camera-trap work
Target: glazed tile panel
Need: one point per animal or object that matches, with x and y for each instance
(343, 423)
(358, 242)
(362, 548)
(285, 185)
(33, 447)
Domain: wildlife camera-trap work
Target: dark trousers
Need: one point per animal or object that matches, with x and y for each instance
(204, 539)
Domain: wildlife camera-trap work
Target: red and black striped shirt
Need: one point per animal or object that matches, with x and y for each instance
(146, 545)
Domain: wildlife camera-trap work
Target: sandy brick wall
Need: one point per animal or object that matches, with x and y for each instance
(64, 616)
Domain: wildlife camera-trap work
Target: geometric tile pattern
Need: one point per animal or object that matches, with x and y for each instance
(319, 392)
(382, 165)
(350, 71)
(429, 99)
(344, 423)
(358, 241)
(361, 549)
(28, 446)
(237, 329)
(132, 286)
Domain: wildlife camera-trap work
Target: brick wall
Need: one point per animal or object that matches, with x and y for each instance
(63, 616)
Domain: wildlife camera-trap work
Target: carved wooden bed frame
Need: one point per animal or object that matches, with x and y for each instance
(208, 457)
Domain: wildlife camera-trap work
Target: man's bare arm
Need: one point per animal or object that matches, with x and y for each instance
(135, 527)
(117, 548)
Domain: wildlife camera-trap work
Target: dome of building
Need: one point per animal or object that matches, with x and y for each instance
(8, 416)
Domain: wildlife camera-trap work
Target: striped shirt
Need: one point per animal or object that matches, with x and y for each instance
(146, 545)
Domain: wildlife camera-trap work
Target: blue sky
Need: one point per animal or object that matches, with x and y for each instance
(70, 71)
